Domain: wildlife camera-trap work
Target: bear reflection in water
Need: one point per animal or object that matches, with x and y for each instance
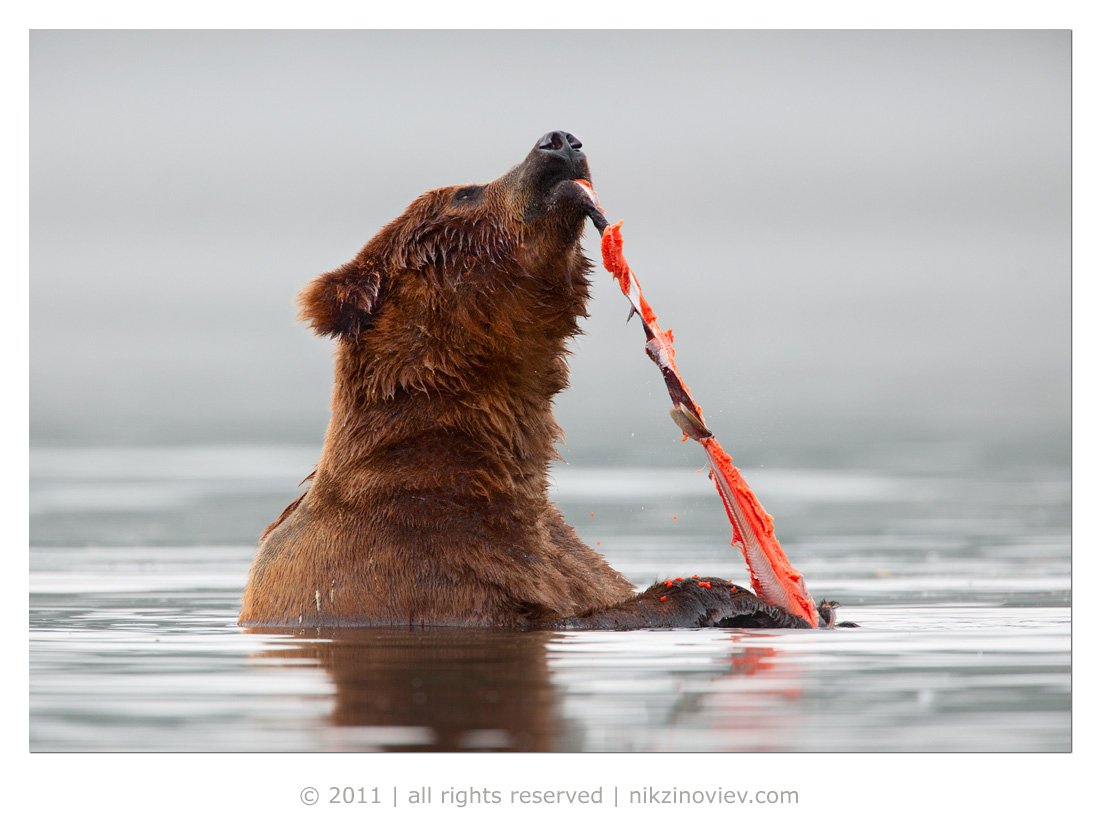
(492, 690)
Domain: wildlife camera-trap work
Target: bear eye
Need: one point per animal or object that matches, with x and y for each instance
(467, 193)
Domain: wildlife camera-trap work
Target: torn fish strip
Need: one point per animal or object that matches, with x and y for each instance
(773, 577)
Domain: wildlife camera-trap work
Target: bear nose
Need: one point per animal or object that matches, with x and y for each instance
(560, 144)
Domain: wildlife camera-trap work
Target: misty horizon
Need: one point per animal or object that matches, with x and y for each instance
(850, 233)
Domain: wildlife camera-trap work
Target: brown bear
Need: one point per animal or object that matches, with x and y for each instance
(429, 503)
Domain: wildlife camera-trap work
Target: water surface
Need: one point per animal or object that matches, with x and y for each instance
(959, 577)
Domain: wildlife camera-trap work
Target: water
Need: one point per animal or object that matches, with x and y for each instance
(956, 566)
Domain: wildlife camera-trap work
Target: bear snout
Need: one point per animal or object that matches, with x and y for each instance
(564, 147)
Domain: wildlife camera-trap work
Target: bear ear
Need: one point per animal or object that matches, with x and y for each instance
(343, 303)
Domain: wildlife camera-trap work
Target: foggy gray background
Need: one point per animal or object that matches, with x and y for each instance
(854, 235)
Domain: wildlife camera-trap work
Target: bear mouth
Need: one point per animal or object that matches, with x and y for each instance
(559, 154)
(551, 169)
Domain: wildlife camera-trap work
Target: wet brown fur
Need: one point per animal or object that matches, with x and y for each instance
(429, 504)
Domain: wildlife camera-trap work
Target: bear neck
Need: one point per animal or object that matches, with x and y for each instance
(488, 447)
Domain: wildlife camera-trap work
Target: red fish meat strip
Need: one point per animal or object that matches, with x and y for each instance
(773, 577)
